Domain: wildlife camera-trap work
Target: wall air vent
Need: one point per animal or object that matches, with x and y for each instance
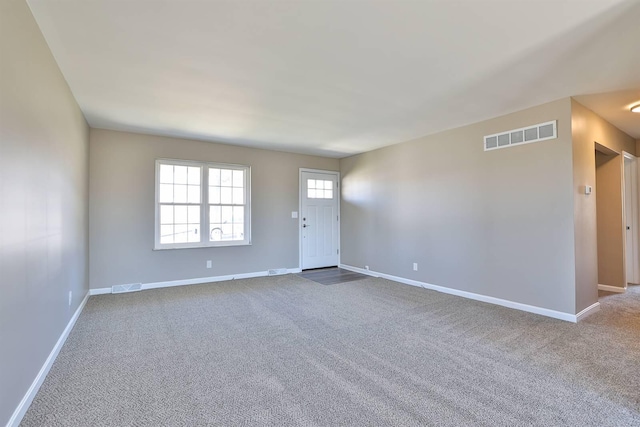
(131, 287)
(277, 271)
(535, 133)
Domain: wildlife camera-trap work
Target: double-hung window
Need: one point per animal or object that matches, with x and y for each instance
(201, 204)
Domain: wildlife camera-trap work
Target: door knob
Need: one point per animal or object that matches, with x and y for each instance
(305, 225)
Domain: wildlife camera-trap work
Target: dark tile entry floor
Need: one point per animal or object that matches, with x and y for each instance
(331, 275)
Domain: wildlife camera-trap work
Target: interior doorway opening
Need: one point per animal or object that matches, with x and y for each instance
(610, 220)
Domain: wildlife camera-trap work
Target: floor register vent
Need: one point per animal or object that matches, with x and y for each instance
(277, 271)
(131, 287)
(527, 135)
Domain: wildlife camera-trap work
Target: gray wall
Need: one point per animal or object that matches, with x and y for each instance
(497, 223)
(43, 203)
(122, 184)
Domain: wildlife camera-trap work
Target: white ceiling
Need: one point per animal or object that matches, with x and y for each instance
(333, 77)
(616, 107)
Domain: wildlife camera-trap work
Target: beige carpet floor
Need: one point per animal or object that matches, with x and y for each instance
(286, 351)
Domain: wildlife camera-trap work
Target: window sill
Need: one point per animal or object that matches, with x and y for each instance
(199, 246)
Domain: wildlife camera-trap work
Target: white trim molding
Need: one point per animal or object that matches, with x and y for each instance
(478, 297)
(593, 308)
(609, 288)
(196, 281)
(24, 404)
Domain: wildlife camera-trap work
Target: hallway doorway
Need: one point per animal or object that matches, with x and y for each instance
(610, 220)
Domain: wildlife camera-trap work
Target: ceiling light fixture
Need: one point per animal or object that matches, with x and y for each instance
(635, 108)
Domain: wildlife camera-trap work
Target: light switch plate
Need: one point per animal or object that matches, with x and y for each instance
(294, 214)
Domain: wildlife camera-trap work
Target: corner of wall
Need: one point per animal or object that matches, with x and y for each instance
(585, 227)
(587, 128)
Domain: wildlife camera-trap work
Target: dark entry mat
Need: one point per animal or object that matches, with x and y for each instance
(331, 276)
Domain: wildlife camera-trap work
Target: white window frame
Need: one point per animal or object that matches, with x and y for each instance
(204, 205)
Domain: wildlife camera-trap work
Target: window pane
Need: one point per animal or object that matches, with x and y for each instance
(180, 174)
(166, 193)
(225, 195)
(215, 233)
(227, 232)
(225, 177)
(227, 214)
(238, 196)
(311, 183)
(194, 233)
(238, 178)
(214, 195)
(311, 193)
(180, 194)
(180, 213)
(166, 174)
(328, 185)
(238, 231)
(194, 176)
(214, 177)
(193, 193)
(193, 215)
(166, 214)
(166, 234)
(328, 194)
(180, 233)
(238, 214)
(215, 214)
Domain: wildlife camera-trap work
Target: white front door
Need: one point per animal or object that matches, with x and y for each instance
(319, 219)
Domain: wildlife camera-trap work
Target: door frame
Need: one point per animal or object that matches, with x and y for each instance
(338, 196)
(635, 212)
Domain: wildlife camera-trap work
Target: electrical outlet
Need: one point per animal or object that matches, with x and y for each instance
(415, 266)
(208, 263)
(366, 267)
(70, 297)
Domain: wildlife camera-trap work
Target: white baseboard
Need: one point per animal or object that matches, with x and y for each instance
(478, 297)
(22, 408)
(593, 308)
(612, 288)
(196, 281)
(359, 270)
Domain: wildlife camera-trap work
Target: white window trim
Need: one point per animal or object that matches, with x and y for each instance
(204, 206)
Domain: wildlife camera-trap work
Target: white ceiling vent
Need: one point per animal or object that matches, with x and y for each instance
(534, 133)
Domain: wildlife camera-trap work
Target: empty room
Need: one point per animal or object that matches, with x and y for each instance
(319, 213)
